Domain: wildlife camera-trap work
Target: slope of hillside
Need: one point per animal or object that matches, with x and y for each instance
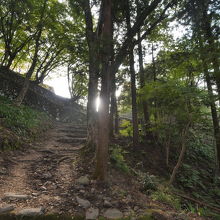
(19, 125)
(43, 172)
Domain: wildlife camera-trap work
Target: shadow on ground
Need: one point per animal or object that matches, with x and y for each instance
(46, 217)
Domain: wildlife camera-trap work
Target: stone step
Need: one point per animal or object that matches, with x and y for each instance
(76, 135)
(73, 131)
(75, 127)
(70, 150)
(14, 196)
(31, 212)
(6, 208)
(70, 141)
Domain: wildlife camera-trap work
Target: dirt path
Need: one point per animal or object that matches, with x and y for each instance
(45, 173)
(51, 178)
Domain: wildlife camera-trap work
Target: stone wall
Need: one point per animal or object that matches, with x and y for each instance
(40, 98)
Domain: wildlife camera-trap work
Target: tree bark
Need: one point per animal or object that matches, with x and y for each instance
(142, 84)
(116, 119)
(103, 129)
(103, 119)
(113, 108)
(182, 153)
(91, 106)
(94, 62)
(18, 101)
(133, 83)
(168, 150)
(134, 100)
(214, 55)
(215, 119)
(214, 112)
(110, 66)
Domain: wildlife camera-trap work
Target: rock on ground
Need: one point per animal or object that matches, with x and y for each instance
(83, 180)
(92, 213)
(6, 208)
(159, 216)
(14, 196)
(31, 212)
(107, 204)
(113, 214)
(84, 203)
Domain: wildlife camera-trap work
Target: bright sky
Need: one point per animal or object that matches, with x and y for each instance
(60, 85)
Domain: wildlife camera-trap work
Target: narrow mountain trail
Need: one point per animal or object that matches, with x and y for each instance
(41, 177)
(52, 177)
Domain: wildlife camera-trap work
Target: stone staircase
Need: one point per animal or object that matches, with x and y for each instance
(72, 134)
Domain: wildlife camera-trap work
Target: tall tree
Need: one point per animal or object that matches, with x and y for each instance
(152, 14)
(203, 18)
(47, 49)
(15, 28)
(29, 73)
(133, 82)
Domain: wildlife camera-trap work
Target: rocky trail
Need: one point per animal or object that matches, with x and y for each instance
(39, 179)
(52, 178)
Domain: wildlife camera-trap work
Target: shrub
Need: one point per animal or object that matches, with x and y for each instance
(126, 128)
(117, 157)
(23, 120)
(167, 198)
(149, 183)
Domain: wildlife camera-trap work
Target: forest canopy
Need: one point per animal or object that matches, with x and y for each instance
(170, 86)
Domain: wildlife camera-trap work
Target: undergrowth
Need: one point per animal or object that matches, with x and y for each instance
(23, 120)
(165, 196)
(117, 158)
(20, 125)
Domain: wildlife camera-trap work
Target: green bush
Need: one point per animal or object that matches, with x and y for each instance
(167, 198)
(117, 157)
(23, 120)
(189, 177)
(149, 183)
(126, 130)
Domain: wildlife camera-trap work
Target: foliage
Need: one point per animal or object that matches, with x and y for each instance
(199, 165)
(38, 27)
(117, 157)
(202, 211)
(149, 183)
(126, 128)
(163, 195)
(189, 177)
(22, 120)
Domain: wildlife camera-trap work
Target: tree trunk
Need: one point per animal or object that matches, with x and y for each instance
(142, 84)
(94, 63)
(116, 119)
(133, 82)
(105, 29)
(113, 108)
(214, 112)
(18, 101)
(182, 153)
(142, 79)
(103, 129)
(134, 100)
(103, 118)
(215, 119)
(168, 149)
(10, 61)
(91, 107)
(213, 52)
